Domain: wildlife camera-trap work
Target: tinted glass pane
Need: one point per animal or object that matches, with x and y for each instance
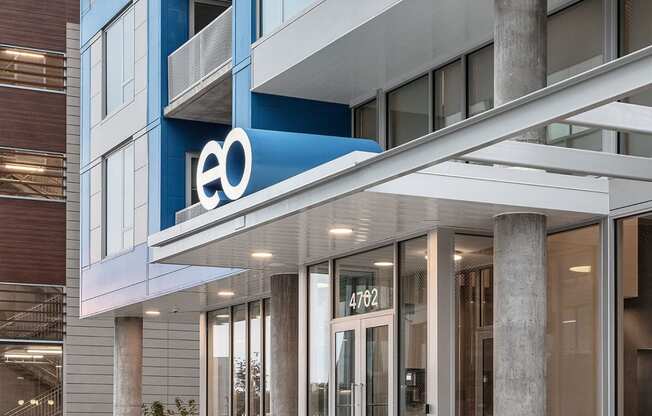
(481, 81)
(448, 95)
(205, 13)
(636, 33)
(271, 15)
(219, 363)
(113, 65)
(377, 371)
(31, 379)
(255, 370)
(364, 282)
(114, 202)
(574, 46)
(344, 372)
(319, 289)
(29, 68)
(634, 310)
(413, 336)
(408, 112)
(365, 121)
(31, 312)
(268, 357)
(239, 395)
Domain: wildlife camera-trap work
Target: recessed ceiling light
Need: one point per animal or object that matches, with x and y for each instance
(152, 312)
(44, 351)
(457, 257)
(50, 402)
(383, 264)
(225, 293)
(580, 269)
(222, 316)
(261, 255)
(341, 231)
(21, 402)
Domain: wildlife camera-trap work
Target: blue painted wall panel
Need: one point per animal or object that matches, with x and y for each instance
(244, 29)
(154, 180)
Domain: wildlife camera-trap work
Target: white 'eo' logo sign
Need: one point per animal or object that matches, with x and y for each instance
(225, 168)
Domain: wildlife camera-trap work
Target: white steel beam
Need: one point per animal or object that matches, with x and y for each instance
(616, 116)
(609, 82)
(564, 160)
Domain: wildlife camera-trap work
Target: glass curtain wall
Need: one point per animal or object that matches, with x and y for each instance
(573, 323)
(480, 68)
(319, 317)
(636, 33)
(413, 278)
(575, 45)
(634, 309)
(365, 119)
(239, 357)
(449, 89)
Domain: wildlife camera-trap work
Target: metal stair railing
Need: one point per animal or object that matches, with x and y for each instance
(46, 404)
(42, 321)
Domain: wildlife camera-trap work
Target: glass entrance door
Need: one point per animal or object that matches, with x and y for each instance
(362, 367)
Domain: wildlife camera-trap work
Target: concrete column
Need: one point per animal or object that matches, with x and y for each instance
(128, 367)
(520, 314)
(284, 344)
(520, 57)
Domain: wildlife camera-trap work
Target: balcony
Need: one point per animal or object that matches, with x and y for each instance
(199, 75)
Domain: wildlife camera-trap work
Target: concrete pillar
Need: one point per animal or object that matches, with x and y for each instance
(520, 57)
(284, 344)
(520, 314)
(128, 367)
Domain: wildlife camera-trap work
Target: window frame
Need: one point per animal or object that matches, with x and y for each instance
(118, 19)
(191, 12)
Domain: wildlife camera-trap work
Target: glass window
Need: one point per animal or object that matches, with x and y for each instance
(205, 11)
(31, 379)
(119, 41)
(255, 361)
(219, 364)
(273, 13)
(319, 318)
(408, 112)
(192, 197)
(365, 119)
(413, 278)
(119, 200)
(31, 312)
(31, 174)
(364, 282)
(573, 323)
(634, 308)
(449, 88)
(481, 81)
(239, 360)
(268, 357)
(636, 33)
(32, 68)
(575, 45)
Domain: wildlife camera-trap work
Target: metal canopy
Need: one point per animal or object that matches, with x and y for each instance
(238, 222)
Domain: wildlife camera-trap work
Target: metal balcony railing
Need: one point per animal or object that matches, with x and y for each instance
(201, 55)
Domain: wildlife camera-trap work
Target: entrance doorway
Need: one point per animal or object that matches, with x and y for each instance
(362, 366)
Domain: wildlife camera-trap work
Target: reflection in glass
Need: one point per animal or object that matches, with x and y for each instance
(344, 372)
(377, 371)
(481, 80)
(448, 95)
(636, 33)
(219, 365)
(365, 117)
(254, 359)
(634, 339)
(408, 112)
(239, 360)
(268, 356)
(413, 329)
(364, 282)
(575, 45)
(319, 288)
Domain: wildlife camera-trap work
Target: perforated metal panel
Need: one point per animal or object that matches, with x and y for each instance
(205, 52)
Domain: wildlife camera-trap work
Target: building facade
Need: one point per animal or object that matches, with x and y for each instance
(39, 200)
(383, 207)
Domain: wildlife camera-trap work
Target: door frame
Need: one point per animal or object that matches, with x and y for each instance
(359, 324)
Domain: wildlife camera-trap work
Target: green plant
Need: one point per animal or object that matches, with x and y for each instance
(181, 409)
